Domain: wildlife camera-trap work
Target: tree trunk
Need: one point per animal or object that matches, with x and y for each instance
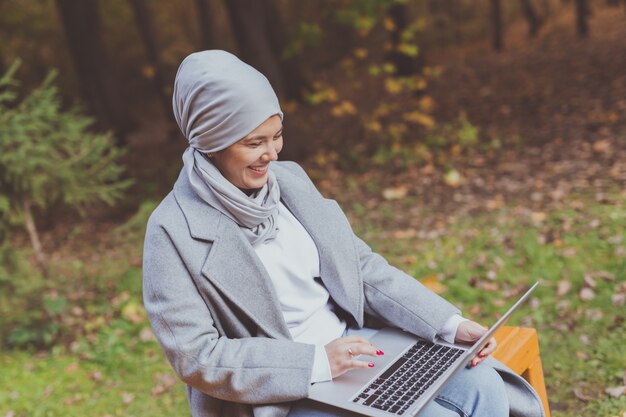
(496, 19)
(404, 64)
(258, 29)
(547, 8)
(144, 24)
(205, 24)
(534, 22)
(582, 16)
(101, 91)
(40, 257)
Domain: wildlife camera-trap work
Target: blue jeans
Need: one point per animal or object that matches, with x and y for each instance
(474, 392)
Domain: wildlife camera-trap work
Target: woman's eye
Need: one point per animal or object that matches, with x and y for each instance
(254, 144)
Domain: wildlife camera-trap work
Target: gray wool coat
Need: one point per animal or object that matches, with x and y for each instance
(215, 312)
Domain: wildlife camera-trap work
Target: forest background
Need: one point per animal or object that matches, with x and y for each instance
(478, 144)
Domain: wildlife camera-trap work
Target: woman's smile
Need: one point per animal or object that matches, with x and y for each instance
(245, 163)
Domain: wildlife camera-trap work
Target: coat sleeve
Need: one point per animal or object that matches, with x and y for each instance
(398, 298)
(252, 370)
(390, 294)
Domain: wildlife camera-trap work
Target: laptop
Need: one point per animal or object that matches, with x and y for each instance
(407, 377)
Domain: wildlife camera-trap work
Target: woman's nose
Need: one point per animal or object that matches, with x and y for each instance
(271, 153)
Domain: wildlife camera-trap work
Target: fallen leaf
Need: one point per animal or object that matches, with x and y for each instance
(538, 217)
(581, 395)
(395, 193)
(46, 392)
(594, 314)
(410, 259)
(589, 281)
(616, 391)
(473, 310)
(72, 400)
(605, 275)
(453, 178)
(582, 355)
(618, 300)
(563, 287)
(133, 312)
(602, 146)
(72, 367)
(166, 381)
(586, 294)
(498, 303)
(127, 397)
(96, 375)
(146, 335)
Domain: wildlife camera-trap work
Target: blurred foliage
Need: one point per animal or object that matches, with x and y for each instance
(48, 156)
(24, 309)
(82, 304)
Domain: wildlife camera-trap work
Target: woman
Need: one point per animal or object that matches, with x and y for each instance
(255, 284)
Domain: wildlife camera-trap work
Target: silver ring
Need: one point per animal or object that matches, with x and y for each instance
(350, 352)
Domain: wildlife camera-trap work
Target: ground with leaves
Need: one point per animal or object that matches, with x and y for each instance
(541, 198)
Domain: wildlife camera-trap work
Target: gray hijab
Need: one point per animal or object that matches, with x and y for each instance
(218, 100)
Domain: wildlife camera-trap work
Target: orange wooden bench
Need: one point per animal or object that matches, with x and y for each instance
(518, 348)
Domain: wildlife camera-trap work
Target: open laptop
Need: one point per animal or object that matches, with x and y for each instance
(407, 377)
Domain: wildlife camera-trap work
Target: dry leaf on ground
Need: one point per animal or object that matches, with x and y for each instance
(616, 391)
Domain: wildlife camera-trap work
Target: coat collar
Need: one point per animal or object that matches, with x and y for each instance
(244, 280)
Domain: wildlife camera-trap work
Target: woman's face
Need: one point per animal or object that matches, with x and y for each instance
(246, 162)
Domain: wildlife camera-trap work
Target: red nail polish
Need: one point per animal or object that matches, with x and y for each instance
(476, 364)
(380, 352)
(371, 365)
(481, 355)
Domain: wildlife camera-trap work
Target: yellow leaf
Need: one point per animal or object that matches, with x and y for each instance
(388, 24)
(419, 83)
(374, 126)
(360, 53)
(538, 216)
(432, 283)
(345, 107)
(289, 106)
(393, 86)
(419, 118)
(331, 95)
(453, 178)
(427, 104)
(148, 72)
(456, 149)
(133, 312)
(408, 49)
(395, 193)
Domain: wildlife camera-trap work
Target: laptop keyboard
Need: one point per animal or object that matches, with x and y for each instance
(396, 389)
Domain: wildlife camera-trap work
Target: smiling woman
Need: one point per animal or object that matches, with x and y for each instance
(256, 285)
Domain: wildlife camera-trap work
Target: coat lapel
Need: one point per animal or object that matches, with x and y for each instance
(232, 265)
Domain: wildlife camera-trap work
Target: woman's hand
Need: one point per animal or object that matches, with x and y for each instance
(341, 353)
(470, 331)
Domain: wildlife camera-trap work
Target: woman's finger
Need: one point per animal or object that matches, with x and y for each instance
(487, 350)
(342, 354)
(357, 349)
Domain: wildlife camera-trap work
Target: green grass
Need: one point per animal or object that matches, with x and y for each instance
(66, 385)
(483, 262)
